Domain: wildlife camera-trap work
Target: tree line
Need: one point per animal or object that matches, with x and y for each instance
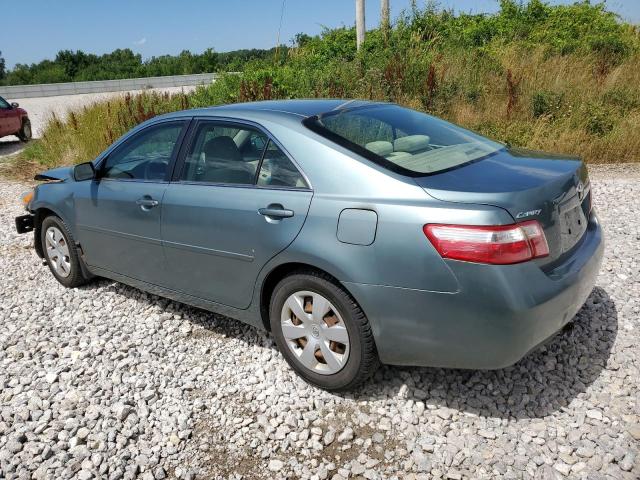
(76, 66)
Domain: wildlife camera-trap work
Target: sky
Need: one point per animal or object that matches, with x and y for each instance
(38, 29)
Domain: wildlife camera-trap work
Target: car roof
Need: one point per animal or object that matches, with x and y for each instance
(275, 109)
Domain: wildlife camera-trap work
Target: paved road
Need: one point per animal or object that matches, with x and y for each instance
(40, 110)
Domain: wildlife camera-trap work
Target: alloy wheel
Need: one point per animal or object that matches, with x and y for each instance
(315, 332)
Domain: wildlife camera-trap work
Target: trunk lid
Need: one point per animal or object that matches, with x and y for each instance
(530, 185)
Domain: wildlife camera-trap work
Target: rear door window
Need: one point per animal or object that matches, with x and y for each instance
(236, 154)
(277, 170)
(223, 153)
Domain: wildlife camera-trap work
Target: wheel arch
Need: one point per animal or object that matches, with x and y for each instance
(40, 214)
(278, 273)
(23, 121)
(43, 212)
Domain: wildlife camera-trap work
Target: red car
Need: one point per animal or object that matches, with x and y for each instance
(14, 121)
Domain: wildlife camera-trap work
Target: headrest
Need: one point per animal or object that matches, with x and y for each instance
(411, 143)
(222, 147)
(380, 147)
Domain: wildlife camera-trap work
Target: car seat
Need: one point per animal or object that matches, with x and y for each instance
(224, 162)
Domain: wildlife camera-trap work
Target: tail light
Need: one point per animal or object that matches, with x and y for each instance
(499, 245)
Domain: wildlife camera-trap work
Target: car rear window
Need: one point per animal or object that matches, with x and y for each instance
(401, 139)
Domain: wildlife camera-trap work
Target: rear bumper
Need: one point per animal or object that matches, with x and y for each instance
(499, 314)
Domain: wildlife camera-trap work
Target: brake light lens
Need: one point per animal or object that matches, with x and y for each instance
(537, 240)
(497, 245)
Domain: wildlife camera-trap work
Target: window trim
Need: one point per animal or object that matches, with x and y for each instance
(238, 123)
(100, 162)
(256, 176)
(277, 187)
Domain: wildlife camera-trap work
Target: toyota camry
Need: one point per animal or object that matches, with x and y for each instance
(356, 232)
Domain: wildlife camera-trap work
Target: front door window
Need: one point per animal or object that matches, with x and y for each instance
(145, 156)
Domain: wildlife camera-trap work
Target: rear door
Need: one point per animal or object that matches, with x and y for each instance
(237, 199)
(118, 213)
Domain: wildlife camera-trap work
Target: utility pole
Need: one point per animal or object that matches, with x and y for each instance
(359, 23)
(384, 15)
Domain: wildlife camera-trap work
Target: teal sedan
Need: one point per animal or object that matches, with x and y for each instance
(356, 232)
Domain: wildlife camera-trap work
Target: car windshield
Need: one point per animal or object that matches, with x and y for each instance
(402, 139)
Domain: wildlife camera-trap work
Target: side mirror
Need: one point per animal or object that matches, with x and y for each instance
(84, 171)
(14, 105)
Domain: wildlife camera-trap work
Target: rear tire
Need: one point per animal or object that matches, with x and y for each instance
(333, 349)
(61, 253)
(25, 132)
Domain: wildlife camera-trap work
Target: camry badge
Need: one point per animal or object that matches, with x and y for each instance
(529, 213)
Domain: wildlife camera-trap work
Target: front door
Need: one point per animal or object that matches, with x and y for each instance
(118, 213)
(237, 201)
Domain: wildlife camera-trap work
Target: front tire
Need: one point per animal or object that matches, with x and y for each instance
(61, 253)
(322, 332)
(25, 132)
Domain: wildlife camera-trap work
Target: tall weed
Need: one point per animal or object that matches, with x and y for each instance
(562, 78)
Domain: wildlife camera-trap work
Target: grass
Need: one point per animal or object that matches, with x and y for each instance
(83, 134)
(558, 78)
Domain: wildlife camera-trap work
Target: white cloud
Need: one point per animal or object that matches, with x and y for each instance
(140, 42)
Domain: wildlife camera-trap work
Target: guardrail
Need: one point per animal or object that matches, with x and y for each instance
(74, 88)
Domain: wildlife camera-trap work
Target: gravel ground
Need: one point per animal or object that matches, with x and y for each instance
(106, 381)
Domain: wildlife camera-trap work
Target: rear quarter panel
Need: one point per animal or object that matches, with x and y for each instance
(401, 255)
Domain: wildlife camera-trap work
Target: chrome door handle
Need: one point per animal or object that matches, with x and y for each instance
(275, 212)
(147, 202)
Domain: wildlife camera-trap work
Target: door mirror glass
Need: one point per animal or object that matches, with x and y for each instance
(15, 104)
(84, 171)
